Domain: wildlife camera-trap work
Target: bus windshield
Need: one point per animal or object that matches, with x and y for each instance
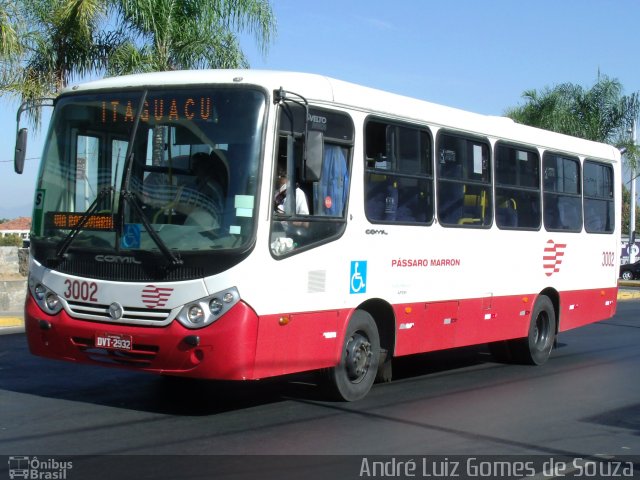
(182, 163)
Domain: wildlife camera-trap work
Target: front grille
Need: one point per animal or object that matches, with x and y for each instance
(139, 316)
(139, 356)
(146, 272)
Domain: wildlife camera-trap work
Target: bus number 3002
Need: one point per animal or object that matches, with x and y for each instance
(608, 259)
(78, 290)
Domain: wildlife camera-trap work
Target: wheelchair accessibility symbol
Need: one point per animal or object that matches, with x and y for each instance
(358, 276)
(131, 236)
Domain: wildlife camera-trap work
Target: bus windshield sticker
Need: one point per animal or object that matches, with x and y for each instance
(38, 208)
(131, 236)
(477, 159)
(244, 205)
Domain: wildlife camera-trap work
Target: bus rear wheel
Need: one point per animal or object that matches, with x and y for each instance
(353, 377)
(536, 347)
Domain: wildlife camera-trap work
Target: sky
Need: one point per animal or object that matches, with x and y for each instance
(477, 55)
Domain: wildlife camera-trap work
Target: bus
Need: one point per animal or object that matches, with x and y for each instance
(163, 239)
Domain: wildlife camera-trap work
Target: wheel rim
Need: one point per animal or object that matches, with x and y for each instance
(626, 276)
(358, 358)
(541, 332)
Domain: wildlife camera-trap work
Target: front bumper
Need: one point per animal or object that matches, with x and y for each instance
(224, 350)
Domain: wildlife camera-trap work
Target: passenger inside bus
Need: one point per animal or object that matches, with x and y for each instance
(302, 207)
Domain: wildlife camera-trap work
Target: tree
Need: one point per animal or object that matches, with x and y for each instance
(46, 43)
(57, 40)
(626, 209)
(601, 113)
(11, 240)
(176, 35)
(11, 47)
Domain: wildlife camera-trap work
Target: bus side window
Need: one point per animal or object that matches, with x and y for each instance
(599, 211)
(464, 182)
(325, 188)
(562, 196)
(517, 187)
(399, 173)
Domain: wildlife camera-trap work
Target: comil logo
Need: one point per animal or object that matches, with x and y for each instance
(552, 258)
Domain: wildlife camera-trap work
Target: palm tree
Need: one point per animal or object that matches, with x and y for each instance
(178, 34)
(56, 41)
(601, 113)
(11, 47)
(76, 38)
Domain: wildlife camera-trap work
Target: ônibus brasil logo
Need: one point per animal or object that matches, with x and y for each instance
(38, 469)
(552, 258)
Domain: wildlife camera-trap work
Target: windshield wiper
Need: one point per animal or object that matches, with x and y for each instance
(83, 221)
(129, 197)
(128, 167)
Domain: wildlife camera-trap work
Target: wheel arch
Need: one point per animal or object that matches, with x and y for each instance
(385, 319)
(554, 296)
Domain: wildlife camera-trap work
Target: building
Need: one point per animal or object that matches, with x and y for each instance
(20, 226)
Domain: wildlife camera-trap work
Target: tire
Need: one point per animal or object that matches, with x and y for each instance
(353, 377)
(536, 347)
(627, 275)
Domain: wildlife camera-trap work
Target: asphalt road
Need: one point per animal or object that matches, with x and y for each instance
(585, 402)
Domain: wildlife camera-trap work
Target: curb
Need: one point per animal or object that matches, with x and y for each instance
(11, 322)
(628, 295)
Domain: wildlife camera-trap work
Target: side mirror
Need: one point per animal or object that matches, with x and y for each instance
(314, 146)
(20, 151)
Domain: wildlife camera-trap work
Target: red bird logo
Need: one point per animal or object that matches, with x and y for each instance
(153, 296)
(552, 258)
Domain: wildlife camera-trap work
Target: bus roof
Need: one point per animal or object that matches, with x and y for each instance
(325, 90)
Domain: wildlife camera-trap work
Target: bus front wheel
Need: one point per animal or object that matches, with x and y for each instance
(536, 347)
(353, 377)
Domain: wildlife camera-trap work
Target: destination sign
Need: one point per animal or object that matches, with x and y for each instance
(66, 220)
(190, 109)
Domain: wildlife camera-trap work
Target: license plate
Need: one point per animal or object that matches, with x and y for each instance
(114, 341)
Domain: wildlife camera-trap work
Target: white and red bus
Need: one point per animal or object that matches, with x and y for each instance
(161, 242)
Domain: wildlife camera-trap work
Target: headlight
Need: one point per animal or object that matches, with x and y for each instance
(207, 310)
(52, 301)
(39, 291)
(215, 306)
(46, 299)
(196, 314)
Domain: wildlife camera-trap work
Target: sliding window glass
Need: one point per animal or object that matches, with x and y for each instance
(517, 188)
(398, 173)
(599, 216)
(562, 196)
(464, 181)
